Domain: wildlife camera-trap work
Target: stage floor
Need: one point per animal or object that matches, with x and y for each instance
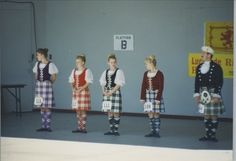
(179, 140)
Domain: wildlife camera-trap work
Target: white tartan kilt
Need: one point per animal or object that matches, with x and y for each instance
(151, 97)
(44, 90)
(116, 101)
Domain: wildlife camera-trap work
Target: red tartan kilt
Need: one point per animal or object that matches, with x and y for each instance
(83, 98)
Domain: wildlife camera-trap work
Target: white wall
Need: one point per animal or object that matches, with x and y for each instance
(169, 29)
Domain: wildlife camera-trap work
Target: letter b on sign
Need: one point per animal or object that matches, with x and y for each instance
(123, 44)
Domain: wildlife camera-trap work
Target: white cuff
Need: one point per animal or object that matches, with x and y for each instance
(216, 95)
(142, 100)
(102, 84)
(196, 94)
(70, 81)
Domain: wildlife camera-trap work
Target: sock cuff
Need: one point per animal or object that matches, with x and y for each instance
(48, 112)
(117, 118)
(214, 121)
(157, 119)
(207, 120)
(110, 117)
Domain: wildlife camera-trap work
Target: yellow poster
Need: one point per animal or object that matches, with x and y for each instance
(225, 61)
(219, 35)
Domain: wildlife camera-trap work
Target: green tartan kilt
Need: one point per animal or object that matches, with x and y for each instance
(213, 108)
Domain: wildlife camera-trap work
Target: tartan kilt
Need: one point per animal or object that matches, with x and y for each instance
(84, 100)
(116, 101)
(212, 108)
(44, 89)
(151, 97)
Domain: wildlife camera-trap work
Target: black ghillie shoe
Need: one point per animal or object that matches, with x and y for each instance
(76, 131)
(116, 134)
(150, 135)
(109, 133)
(83, 131)
(41, 129)
(48, 130)
(204, 138)
(213, 139)
(157, 135)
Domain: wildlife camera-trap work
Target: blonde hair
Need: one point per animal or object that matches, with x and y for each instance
(151, 59)
(82, 57)
(111, 56)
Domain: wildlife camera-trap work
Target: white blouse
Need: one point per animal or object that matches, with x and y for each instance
(88, 75)
(151, 74)
(119, 80)
(52, 68)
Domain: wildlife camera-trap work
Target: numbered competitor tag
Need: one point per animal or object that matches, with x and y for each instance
(38, 100)
(148, 107)
(75, 103)
(106, 106)
(201, 108)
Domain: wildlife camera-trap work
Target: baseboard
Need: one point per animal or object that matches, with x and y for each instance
(183, 117)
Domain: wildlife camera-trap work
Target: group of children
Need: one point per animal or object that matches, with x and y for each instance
(111, 81)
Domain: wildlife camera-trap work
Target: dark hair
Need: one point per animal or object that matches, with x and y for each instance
(43, 51)
(82, 57)
(210, 55)
(111, 56)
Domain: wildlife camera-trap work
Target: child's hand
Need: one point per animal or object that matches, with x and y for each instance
(157, 102)
(79, 89)
(215, 100)
(197, 99)
(75, 89)
(142, 101)
(109, 94)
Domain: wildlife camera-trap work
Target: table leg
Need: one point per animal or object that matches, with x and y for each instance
(2, 100)
(16, 101)
(20, 102)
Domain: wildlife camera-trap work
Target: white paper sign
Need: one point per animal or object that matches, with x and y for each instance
(201, 108)
(124, 42)
(38, 100)
(75, 103)
(106, 106)
(148, 107)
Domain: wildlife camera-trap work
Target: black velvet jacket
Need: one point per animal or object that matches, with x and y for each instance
(212, 79)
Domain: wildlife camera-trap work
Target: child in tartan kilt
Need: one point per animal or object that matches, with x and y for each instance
(80, 79)
(152, 88)
(111, 81)
(45, 75)
(209, 78)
